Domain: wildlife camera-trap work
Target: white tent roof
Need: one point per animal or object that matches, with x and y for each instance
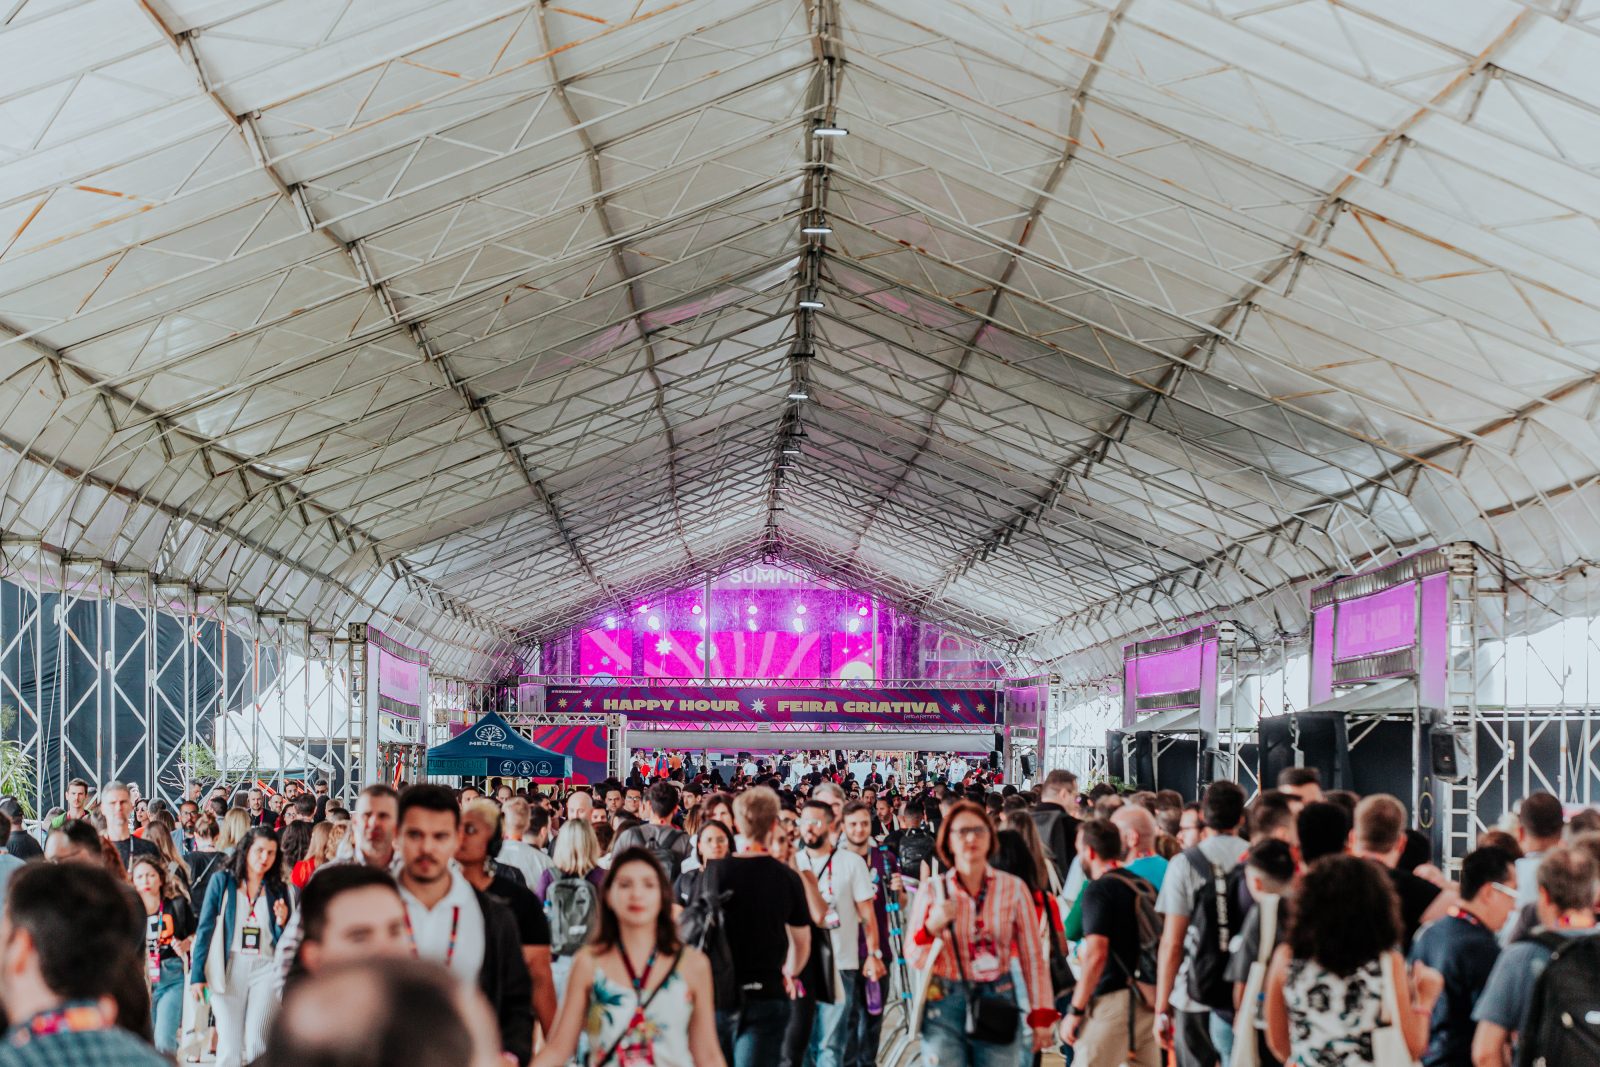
(470, 317)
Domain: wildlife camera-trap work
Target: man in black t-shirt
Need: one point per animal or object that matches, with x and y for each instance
(1097, 1025)
(116, 804)
(1380, 836)
(1463, 948)
(768, 930)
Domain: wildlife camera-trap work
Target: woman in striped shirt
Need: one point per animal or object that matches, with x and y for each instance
(981, 920)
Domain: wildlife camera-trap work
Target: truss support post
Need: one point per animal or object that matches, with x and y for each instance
(1460, 817)
(617, 746)
(363, 720)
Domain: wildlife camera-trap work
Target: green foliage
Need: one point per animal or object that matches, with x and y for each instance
(199, 762)
(17, 775)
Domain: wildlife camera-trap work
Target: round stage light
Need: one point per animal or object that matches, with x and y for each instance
(654, 622)
(751, 609)
(751, 625)
(852, 625)
(799, 609)
(695, 610)
(799, 625)
(863, 611)
(611, 622)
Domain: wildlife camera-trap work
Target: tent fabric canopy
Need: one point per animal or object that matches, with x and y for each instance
(469, 318)
(493, 746)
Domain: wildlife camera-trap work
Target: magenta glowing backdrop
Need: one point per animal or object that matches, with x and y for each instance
(769, 622)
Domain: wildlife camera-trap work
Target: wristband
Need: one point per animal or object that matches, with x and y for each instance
(1040, 1017)
(922, 937)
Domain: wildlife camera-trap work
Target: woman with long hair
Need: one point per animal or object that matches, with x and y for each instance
(316, 854)
(160, 835)
(645, 997)
(967, 926)
(294, 841)
(713, 841)
(235, 824)
(574, 857)
(1341, 977)
(245, 910)
(169, 928)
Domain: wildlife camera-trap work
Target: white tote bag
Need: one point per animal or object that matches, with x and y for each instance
(1389, 1040)
(922, 978)
(1246, 1053)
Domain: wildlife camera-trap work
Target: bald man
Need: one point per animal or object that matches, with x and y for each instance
(1138, 828)
(579, 805)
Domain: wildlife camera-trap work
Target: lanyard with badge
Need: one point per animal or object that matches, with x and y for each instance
(636, 1049)
(985, 954)
(830, 921)
(455, 929)
(155, 929)
(250, 935)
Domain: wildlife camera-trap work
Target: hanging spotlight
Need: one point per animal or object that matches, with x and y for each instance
(830, 131)
(812, 304)
(790, 450)
(817, 229)
(799, 394)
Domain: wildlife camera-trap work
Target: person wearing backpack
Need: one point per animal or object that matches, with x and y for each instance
(1199, 921)
(570, 890)
(1111, 1020)
(1555, 972)
(1058, 827)
(668, 844)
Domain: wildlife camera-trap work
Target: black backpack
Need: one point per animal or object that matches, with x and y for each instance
(702, 926)
(664, 843)
(1563, 1024)
(1148, 921)
(1215, 918)
(916, 846)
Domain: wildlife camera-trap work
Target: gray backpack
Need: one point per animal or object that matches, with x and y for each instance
(572, 904)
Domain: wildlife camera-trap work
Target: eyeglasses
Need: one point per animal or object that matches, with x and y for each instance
(813, 822)
(1507, 890)
(971, 832)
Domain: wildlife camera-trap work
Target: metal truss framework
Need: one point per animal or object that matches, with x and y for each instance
(472, 319)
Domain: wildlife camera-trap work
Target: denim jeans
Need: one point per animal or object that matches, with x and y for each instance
(861, 1050)
(944, 1028)
(754, 1033)
(1221, 1031)
(166, 1006)
(832, 1027)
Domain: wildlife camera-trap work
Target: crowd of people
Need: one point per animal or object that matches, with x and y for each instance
(660, 920)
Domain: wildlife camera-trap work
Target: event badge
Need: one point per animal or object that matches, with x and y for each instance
(637, 1054)
(153, 967)
(250, 940)
(985, 960)
(830, 921)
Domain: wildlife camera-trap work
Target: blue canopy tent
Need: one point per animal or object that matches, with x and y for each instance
(493, 746)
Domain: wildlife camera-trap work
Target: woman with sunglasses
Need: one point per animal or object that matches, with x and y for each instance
(637, 994)
(968, 926)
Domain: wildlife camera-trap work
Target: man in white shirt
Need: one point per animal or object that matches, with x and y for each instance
(526, 831)
(847, 893)
(452, 923)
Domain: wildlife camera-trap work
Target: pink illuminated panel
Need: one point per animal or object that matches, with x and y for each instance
(766, 654)
(1381, 622)
(673, 654)
(606, 652)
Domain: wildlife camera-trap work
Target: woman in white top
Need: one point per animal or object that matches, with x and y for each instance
(648, 996)
(1340, 979)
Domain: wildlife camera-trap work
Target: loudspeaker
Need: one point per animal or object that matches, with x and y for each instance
(1448, 750)
(1320, 738)
(994, 759)
(1143, 758)
(1027, 765)
(1116, 766)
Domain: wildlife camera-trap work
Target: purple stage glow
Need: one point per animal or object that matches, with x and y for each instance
(1381, 622)
(767, 622)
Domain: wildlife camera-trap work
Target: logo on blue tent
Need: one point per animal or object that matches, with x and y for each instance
(490, 734)
(508, 767)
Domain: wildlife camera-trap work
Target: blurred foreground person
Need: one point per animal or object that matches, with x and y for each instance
(63, 944)
(383, 1013)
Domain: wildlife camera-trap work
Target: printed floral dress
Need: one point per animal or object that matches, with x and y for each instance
(1331, 1019)
(659, 1039)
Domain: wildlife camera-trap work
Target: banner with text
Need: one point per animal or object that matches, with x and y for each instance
(780, 704)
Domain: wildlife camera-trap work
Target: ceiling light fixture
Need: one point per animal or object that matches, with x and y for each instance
(812, 304)
(799, 394)
(830, 131)
(821, 229)
(791, 451)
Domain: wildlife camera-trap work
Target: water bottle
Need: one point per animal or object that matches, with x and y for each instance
(874, 997)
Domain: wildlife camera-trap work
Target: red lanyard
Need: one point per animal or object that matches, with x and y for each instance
(1468, 917)
(638, 980)
(455, 928)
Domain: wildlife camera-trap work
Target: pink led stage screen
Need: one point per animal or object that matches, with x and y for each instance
(606, 652)
(1399, 632)
(1381, 622)
(852, 656)
(766, 654)
(780, 704)
(674, 654)
(1177, 671)
(399, 680)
